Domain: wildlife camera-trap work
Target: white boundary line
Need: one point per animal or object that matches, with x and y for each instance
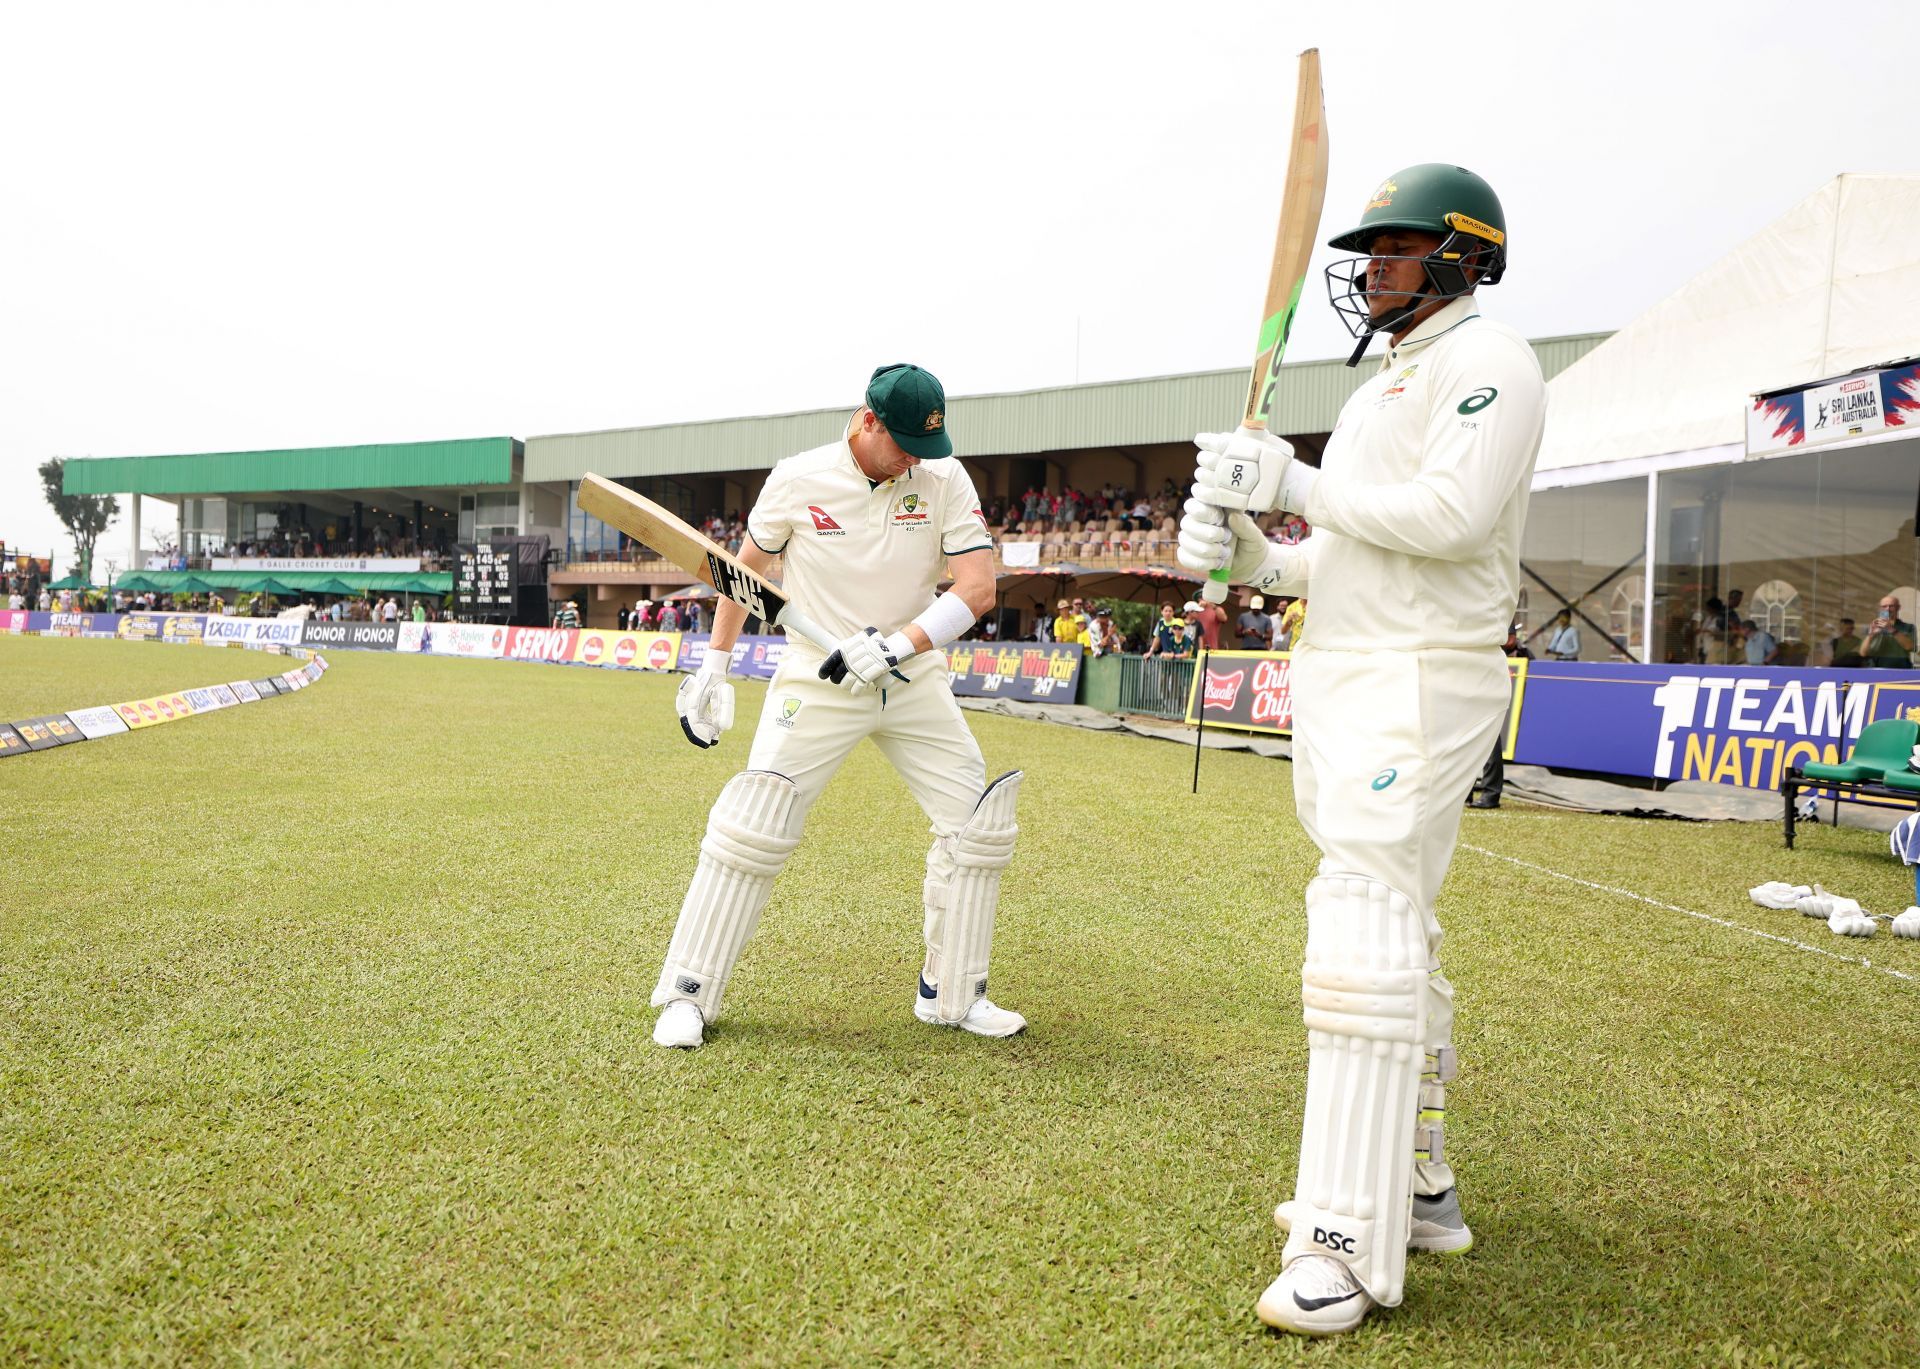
(1676, 908)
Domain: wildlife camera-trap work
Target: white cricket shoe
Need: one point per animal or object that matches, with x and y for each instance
(1315, 1295)
(680, 1024)
(982, 1019)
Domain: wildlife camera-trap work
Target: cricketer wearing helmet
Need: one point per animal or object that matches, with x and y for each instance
(1399, 688)
(865, 527)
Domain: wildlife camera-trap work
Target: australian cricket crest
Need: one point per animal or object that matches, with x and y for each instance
(789, 710)
(911, 510)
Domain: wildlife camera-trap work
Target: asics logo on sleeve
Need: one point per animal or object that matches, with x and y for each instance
(1478, 400)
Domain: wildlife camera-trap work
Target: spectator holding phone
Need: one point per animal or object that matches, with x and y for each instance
(1888, 644)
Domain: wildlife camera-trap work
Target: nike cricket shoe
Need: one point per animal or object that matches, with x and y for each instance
(982, 1019)
(1315, 1295)
(680, 1024)
(1438, 1228)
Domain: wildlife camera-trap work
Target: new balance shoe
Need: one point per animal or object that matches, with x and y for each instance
(680, 1024)
(1315, 1295)
(1438, 1228)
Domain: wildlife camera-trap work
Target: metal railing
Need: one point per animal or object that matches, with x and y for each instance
(1155, 685)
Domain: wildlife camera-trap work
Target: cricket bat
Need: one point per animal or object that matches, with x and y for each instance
(1306, 192)
(697, 554)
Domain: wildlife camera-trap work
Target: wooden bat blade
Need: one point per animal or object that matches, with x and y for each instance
(686, 546)
(1305, 195)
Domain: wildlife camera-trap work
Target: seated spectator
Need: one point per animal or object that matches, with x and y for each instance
(1846, 647)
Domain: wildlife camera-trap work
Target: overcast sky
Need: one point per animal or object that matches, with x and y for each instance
(246, 226)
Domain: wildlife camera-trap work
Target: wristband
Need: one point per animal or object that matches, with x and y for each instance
(944, 619)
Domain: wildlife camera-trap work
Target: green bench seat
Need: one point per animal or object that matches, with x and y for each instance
(1882, 752)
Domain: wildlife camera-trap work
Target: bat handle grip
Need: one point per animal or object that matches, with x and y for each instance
(801, 625)
(1214, 591)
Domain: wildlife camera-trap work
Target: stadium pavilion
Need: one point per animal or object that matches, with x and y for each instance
(1753, 431)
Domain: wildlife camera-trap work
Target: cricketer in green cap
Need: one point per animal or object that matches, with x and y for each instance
(913, 407)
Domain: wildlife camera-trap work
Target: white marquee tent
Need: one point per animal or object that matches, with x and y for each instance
(1831, 286)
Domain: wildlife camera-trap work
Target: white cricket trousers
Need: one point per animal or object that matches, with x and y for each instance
(1386, 745)
(808, 726)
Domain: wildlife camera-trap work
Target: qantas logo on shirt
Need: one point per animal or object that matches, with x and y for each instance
(823, 522)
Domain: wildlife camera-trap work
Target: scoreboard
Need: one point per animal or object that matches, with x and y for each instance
(485, 579)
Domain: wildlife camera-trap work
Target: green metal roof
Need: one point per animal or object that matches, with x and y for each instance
(380, 465)
(1120, 413)
(302, 581)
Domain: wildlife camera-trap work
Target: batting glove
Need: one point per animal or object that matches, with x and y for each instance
(1211, 539)
(1908, 924)
(704, 700)
(1250, 471)
(864, 659)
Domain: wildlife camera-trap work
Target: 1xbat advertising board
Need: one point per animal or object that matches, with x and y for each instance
(352, 636)
(221, 631)
(1741, 725)
(1033, 671)
(1247, 691)
(755, 658)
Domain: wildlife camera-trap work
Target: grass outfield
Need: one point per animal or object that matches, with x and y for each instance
(326, 1038)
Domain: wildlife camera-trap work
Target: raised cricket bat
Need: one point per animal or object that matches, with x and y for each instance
(1306, 191)
(695, 553)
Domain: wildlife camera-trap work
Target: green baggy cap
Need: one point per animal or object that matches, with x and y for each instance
(913, 406)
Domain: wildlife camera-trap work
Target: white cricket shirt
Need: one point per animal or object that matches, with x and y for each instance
(1422, 495)
(857, 554)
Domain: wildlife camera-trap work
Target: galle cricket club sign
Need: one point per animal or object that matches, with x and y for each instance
(1250, 691)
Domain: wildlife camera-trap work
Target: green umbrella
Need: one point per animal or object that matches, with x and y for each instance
(281, 590)
(331, 587)
(193, 584)
(70, 582)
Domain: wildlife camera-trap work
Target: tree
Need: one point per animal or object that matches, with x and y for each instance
(85, 515)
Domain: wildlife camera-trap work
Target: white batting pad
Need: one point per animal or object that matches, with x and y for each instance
(959, 927)
(1364, 986)
(750, 833)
